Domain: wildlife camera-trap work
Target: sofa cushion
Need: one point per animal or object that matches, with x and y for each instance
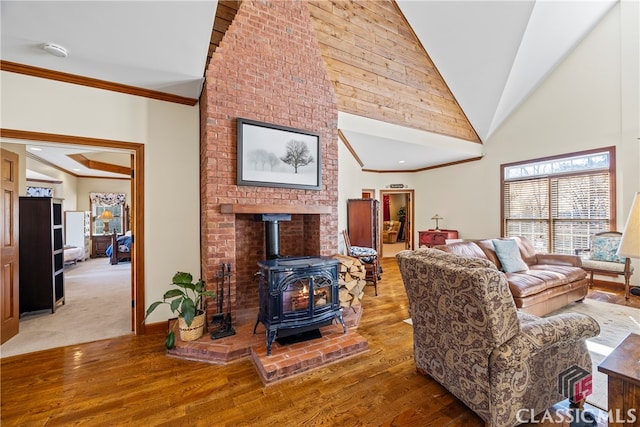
(527, 251)
(464, 249)
(525, 284)
(489, 251)
(605, 265)
(567, 272)
(531, 282)
(540, 278)
(508, 253)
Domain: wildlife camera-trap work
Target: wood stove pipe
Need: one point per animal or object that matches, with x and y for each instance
(272, 232)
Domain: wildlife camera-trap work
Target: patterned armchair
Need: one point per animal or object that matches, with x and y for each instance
(601, 258)
(390, 231)
(468, 336)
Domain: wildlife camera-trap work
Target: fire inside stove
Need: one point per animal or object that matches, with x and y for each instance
(297, 295)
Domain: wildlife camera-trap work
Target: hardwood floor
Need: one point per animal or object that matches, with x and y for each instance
(131, 381)
(609, 292)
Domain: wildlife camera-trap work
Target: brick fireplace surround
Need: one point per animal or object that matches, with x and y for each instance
(268, 67)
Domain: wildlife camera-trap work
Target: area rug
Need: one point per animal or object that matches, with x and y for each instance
(616, 322)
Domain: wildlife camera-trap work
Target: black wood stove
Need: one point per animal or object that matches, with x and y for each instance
(297, 295)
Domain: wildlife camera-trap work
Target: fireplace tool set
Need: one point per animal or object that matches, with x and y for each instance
(221, 321)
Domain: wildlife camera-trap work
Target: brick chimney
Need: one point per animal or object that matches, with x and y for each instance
(268, 68)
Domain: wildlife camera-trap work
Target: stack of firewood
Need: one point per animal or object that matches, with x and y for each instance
(351, 275)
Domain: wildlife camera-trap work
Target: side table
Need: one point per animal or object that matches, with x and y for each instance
(99, 245)
(622, 367)
(430, 238)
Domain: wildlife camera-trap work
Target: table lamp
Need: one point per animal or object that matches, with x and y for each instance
(106, 216)
(630, 243)
(437, 218)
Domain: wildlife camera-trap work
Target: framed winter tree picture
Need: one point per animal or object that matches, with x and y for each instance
(277, 156)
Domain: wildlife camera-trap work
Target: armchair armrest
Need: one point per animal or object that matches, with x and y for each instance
(579, 251)
(543, 334)
(559, 259)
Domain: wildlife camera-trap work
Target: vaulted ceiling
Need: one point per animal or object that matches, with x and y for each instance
(430, 79)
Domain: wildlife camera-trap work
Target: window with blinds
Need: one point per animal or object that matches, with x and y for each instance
(557, 203)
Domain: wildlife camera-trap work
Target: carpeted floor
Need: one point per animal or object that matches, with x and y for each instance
(390, 250)
(97, 306)
(616, 322)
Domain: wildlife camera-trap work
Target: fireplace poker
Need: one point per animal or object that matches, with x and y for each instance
(218, 318)
(228, 326)
(223, 319)
(221, 300)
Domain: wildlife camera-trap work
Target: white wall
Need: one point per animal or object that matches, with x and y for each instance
(170, 134)
(630, 84)
(590, 101)
(66, 190)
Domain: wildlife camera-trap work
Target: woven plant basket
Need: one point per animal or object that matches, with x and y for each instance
(193, 332)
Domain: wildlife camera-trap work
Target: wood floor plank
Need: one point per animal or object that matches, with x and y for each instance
(131, 381)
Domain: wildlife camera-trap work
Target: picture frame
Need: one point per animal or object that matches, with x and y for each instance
(39, 191)
(270, 155)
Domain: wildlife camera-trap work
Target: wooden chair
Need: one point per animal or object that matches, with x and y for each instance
(601, 258)
(368, 257)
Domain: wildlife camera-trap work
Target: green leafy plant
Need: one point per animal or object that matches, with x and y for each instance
(402, 212)
(185, 299)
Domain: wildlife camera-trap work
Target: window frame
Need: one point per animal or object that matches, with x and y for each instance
(550, 219)
(118, 208)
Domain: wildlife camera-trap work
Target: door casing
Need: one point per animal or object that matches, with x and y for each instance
(137, 208)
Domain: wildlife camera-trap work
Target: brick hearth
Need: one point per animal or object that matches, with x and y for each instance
(294, 359)
(285, 360)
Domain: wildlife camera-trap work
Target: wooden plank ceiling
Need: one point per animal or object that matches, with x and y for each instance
(225, 13)
(378, 67)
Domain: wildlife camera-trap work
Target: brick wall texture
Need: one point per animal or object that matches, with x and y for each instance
(268, 68)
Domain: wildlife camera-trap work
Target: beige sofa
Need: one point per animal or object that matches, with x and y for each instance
(549, 282)
(502, 363)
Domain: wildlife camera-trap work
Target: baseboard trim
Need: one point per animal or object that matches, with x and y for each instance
(608, 283)
(155, 328)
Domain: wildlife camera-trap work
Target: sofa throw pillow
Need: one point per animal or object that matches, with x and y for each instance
(604, 248)
(509, 255)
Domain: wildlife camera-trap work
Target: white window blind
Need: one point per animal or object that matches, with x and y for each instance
(558, 212)
(527, 210)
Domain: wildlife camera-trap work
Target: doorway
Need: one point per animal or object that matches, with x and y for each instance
(136, 209)
(396, 228)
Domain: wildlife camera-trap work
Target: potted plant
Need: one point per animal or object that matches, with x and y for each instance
(185, 300)
(402, 214)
